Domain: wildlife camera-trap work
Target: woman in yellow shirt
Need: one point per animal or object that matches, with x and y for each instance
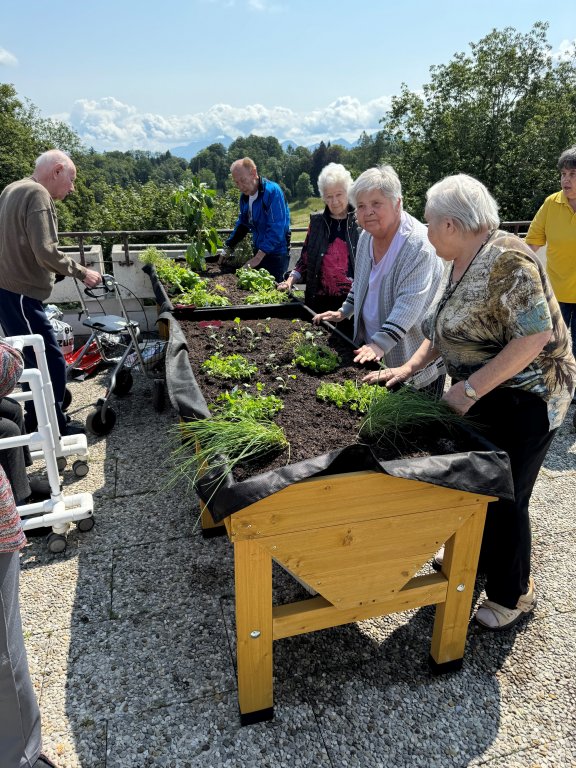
(555, 227)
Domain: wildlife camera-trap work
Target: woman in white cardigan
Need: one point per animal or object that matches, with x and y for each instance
(396, 277)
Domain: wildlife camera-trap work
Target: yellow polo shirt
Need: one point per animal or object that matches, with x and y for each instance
(555, 227)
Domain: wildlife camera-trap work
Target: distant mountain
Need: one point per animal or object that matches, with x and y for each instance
(342, 142)
(188, 151)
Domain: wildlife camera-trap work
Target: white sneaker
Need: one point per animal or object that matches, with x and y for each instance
(496, 617)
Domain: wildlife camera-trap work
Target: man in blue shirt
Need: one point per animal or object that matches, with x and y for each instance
(263, 212)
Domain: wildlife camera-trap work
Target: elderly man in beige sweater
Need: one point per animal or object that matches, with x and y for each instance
(30, 261)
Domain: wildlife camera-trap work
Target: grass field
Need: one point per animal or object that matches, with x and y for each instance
(300, 211)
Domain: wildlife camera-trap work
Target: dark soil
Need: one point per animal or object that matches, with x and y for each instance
(311, 427)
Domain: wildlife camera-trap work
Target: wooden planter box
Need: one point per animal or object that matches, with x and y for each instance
(356, 535)
(358, 539)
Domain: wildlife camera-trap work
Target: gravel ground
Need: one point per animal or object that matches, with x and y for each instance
(130, 636)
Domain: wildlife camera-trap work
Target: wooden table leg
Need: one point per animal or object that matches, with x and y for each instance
(253, 575)
(452, 617)
(209, 527)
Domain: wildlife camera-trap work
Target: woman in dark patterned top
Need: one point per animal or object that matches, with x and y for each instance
(501, 335)
(326, 263)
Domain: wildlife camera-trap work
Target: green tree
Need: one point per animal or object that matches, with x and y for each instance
(19, 146)
(259, 148)
(502, 113)
(304, 187)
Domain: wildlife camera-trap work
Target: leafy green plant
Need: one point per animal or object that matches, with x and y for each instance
(250, 279)
(316, 357)
(175, 277)
(350, 394)
(200, 297)
(241, 404)
(196, 204)
(284, 382)
(235, 367)
(267, 296)
(404, 413)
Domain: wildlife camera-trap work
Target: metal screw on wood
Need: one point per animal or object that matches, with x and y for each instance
(460, 587)
(255, 634)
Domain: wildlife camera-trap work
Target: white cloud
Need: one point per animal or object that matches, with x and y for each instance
(7, 59)
(264, 6)
(565, 51)
(110, 124)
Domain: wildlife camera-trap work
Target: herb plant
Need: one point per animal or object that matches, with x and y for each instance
(241, 404)
(316, 357)
(175, 277)
(407, 413)
(220, 443)
(250, 279)
(235, 367)
(350, 394)
(267, 296)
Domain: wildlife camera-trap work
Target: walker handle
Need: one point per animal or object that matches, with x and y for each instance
(107, 285)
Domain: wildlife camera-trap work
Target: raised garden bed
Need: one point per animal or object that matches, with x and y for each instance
(322, 437)
(222, 280)
(355, 528)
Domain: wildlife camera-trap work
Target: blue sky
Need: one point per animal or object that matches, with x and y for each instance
(154, 75)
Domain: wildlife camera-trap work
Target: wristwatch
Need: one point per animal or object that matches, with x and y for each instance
(470, 391)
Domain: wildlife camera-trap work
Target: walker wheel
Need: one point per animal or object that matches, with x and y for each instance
(61, 462)
(158, 395)
(80, 468)
(56, 543)
(86, 524)
(97, 425)
(123, 383)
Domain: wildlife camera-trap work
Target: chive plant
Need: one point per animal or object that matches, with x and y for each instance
(402, 416)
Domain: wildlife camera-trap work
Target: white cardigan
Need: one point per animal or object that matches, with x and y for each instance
(406, 293)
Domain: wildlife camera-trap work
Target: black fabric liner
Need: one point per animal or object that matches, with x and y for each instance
(483, 469)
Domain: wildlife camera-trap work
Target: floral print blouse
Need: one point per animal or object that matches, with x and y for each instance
(504, 295)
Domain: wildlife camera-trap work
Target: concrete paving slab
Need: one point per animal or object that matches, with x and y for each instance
(170, 573)
(206, 732)
(57, 590)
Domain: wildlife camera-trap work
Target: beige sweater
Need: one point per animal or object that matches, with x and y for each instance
(29, 255)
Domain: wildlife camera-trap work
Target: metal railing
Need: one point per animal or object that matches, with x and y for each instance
(123, 235)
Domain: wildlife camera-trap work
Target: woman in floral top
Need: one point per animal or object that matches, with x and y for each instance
(501, 335)
(20, 737)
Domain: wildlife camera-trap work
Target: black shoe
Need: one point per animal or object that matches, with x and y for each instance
(73, 429)
(44, 762)
(40, 488)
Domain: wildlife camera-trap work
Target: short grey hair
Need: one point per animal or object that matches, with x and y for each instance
(567, 159)
(51, 158)
(465, 200)
(333, 175)
(383, 178)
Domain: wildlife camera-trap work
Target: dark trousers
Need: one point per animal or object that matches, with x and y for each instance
(14, 460)
(276, 264)
(517, 422)
(21, 315)
(19, 714)
(569, 315)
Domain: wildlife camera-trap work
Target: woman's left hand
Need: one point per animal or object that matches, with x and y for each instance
(368, 353)
(457, 398)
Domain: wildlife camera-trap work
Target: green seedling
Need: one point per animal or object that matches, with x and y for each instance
(234, 367)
